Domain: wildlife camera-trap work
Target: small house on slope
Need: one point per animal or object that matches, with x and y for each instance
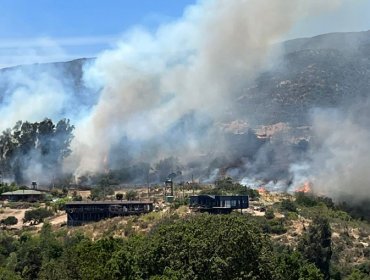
(23, 195)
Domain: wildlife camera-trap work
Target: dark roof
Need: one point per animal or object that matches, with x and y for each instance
(23, 192)
(108, 202)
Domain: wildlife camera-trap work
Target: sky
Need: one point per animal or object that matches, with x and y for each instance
(60, 30)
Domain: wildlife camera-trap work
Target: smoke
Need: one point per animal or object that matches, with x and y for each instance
(170, 93)
(198, 64)
(340, 160)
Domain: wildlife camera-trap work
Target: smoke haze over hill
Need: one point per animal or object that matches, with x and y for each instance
(202, 88)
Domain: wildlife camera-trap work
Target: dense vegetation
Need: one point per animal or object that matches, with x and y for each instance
(199, 247)
(226, 186)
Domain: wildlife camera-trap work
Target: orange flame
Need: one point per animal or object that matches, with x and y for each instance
(262, 190)
(305, 188)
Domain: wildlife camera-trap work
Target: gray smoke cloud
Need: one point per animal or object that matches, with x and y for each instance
(198, 63)
(339, 160)
(170, 93)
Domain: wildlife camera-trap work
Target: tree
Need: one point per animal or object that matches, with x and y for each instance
(200, 247)
(288, 205)
(227, 186)
(290, 265)
(28, 143)
(9, 221)
(132, 195)
(6, 274)
(269, 214)
(315, 245)
(119, 196)
(36, 216)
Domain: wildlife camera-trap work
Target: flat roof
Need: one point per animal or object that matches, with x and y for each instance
(105, 202)
(23, 192)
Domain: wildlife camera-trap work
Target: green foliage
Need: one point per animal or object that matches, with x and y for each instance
(22, 205)
(178, 202)
(269, 214)
(292, 266)
(48, 141)
(310, 200)
(305, 199)
(196, 247)
(77, 198)
(9, 221)
(288, 205)
(233, 246)
(99, 193)
(6, 274)
(36, 216)
(119, 196)
(226, 186)
(357, 275)
(132, 195)
(60, 204)
(5, 187)
(274, 227)
(315, 245)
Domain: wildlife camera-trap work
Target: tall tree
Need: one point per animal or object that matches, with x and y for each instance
(315, 245)
(27, 144)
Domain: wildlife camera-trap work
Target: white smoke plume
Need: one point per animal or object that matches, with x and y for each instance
(340, 161)
(197, 63)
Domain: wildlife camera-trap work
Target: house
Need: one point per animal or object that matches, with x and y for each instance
(80, 212)
(218, 203)
(23, 195)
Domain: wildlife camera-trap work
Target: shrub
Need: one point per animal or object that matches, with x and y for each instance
(9, 221)
(119, 196)
(269, 214)
(36, 216)
(288, 205)
(132, 195)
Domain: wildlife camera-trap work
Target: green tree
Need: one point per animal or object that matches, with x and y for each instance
(269, 214)
(119, 196)
(315, 245)
(9, 221)
(288, 205)
(132, 195)
(205, 246)
(36, 216)
(6, 274)
(27, 142)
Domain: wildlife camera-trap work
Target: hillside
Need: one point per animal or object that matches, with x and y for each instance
(324, 71)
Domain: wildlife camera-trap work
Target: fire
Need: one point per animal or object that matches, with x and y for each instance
(262, 190)
(305, 188)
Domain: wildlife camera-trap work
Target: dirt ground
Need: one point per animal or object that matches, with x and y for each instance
(18, 213)
(58, 219)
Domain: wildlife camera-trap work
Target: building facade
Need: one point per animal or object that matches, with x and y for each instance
(218, 203)
(23, 195)
(80, 212)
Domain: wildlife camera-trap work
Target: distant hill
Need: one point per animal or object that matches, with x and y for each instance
(322, 71)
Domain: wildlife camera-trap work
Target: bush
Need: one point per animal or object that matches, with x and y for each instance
(269, 214)
(219, 246)
(9, 221)
(304, 199)
(132, 195)
(288, 205)
(37, 216)
(22, 205)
